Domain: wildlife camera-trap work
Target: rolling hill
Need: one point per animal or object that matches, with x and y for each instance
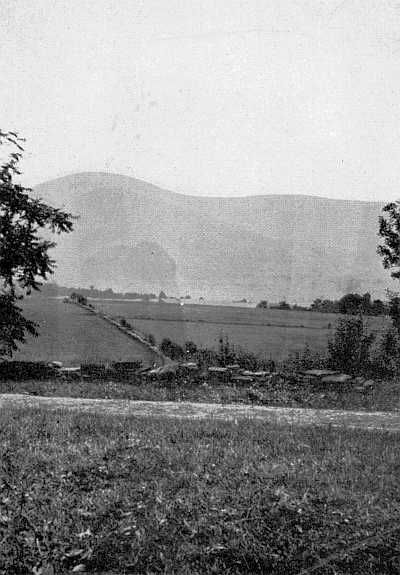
(132, 235)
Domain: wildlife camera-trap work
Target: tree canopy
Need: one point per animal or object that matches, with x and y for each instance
(389, 230)
(24, 253)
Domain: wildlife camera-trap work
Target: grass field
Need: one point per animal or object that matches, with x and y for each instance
(271, 334)
(118, 495)
(73, 336)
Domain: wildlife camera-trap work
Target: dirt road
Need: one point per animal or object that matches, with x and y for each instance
(389, 421)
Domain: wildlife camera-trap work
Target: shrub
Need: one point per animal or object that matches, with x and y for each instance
(305, 359)
(248, 360)
(190, 348)
(124, 323)
(80, 299)
(226, 353)
(386, 360)
(349, 350)
(150, 338)
(171, 349)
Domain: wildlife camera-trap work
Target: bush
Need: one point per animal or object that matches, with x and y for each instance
(386, 360)
(349, 350)
(171, 349)
(150, 339)
(305, 359)
(80, 299)
(124, 323)
(190, 348)
(226, 353)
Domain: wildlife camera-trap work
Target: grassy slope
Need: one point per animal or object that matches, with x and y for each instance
(73, 336)
(151, 496)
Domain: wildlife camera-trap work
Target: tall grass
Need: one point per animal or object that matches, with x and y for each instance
(120, 495)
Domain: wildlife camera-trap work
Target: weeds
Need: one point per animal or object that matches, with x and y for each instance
(122, 495)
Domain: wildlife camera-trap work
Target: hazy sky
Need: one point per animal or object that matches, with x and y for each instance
(215, 97)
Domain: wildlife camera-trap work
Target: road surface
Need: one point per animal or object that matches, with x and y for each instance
(378, 420)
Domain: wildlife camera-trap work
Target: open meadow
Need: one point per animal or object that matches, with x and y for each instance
(112, 494)
(270, 334)
(72, 335)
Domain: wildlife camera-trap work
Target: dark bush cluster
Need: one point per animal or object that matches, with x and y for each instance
(78, 298)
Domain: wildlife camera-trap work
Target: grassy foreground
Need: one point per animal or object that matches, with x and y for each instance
(115, 495)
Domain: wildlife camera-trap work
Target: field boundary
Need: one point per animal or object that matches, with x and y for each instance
(220, 322)
(129, 332)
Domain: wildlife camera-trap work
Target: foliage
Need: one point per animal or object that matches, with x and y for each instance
(124, 323)
(306, 359)
(385, 361)
(151, 339)
(263, 304)
(78, 298)
(394, 309)
(190, 348)
(349, 349)
(171, 349)
(389, 230)
(351, 304)
(24, 254)
(13, 325)
(52, 289)
(226, 354)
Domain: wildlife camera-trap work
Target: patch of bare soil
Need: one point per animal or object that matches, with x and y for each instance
(379, 420)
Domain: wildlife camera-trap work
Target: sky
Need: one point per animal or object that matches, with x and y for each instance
(208, 97)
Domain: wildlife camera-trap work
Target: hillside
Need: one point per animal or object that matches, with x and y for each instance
(132, 235)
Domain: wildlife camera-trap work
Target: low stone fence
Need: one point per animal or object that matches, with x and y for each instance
(129, 331)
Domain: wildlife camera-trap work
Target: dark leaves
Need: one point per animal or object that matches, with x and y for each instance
(24, 254)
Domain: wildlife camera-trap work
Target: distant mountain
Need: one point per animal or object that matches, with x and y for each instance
(133, 236)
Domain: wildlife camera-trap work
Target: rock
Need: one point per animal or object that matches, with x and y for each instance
(233, 367)
(80, 568)
(70, 369)
(320, 372)
(241, 379)
(217, 370)
(368, 384)
(189, 366)
(164, 370)
(339, 378)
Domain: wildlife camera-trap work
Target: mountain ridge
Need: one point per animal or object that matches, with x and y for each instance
(276, 246)
(200, 196)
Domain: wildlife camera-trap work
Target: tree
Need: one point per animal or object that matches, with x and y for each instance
(351, 303)
(24, 254)
(349, 349)
(389, 230)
